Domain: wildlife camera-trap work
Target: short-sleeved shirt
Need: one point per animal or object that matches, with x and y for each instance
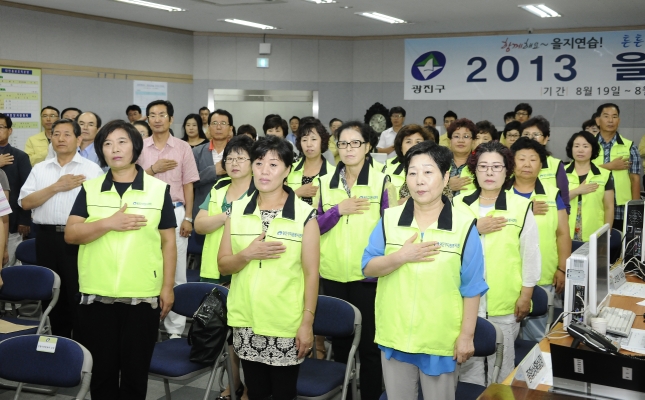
(5, 208)
(387, 140)
(4, 181)
(184, 173)
(167, 212)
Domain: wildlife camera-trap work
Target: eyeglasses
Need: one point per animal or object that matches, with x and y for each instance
(215, 123)
(512, 135)
(153, 116)
(238, 160)
(522, 113)
(465, 137)
(354, 144)
(397, 116)
(494, 167)
(532, 135)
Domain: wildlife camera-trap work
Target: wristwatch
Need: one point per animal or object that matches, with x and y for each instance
(188, 219)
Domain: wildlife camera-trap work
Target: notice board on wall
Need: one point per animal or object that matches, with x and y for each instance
(21, 99)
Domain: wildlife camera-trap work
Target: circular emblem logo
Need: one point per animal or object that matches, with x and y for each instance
(428, 65)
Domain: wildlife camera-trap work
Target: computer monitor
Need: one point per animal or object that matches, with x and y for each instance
(598, 267)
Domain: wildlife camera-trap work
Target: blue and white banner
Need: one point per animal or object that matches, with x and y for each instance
(593, 65)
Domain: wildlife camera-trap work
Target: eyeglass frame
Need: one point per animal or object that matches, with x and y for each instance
(238, 160)
(479, 167)
(533, 135)
(345, 144)
(215, 124)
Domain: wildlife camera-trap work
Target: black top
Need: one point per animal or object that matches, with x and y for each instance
(167, 212)
(204, 141)
(17, 174)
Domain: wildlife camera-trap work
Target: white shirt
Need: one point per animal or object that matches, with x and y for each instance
(56, 210)
(387, 140)
(217, 157)
(529, 252)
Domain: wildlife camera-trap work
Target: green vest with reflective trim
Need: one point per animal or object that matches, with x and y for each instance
(593, 207)
(377, 165)
(419, 307)
(396, 172)
(210, 269)
(294, 180)
(341, 248)
(465, 172)
(501, 249)
(622, 183)
(268, 295)
(547, 227)
(549, 171)
(123, 264)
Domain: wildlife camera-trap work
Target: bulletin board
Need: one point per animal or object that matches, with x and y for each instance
(21, 99)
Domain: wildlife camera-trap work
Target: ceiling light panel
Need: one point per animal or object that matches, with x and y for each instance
(321, 1)
(382, 17)
(540, 10)
(247, 23)
(151, 5)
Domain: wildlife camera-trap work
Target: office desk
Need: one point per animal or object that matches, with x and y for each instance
(498, 391)
(625, 302)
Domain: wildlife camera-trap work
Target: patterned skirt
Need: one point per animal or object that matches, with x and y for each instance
(271, 350)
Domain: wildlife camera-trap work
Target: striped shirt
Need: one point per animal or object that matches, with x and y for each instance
(55, 211)
(184, 173)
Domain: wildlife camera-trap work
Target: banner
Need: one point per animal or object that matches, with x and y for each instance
(20, 99)
(568, 66)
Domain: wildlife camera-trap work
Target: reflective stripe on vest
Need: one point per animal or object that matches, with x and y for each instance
(622, 183)
(501, 249)
(418, 307)
(123, 264)
(593, 207)
(268, 295)
(341, 248)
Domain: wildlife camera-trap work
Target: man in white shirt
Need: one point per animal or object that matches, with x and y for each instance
(50, 192)
(386, 141)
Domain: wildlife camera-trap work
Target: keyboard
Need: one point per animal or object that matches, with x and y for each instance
(619, 321)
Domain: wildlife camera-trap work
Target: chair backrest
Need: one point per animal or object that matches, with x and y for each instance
(335, 317)
(29, 282)
(540, 301)
(63, 368)
(194, 245)
(26, 252)
(485, 338)
(189, 296)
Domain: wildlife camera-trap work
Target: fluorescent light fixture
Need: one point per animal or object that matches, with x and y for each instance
(381, 17)
(247, 23)
(322, 1)
(540, 10)
(151, 5)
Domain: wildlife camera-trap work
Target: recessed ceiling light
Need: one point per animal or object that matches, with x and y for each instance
(346, 7)
(151, 5)
(381, 17)
(540, 10)
(321, 1)
(247, 23)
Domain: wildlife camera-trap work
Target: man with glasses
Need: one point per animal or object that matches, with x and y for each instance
(552, 172)
(38, 144)
(523, 112)
(15, 163)
(220, 126)
(90, 123)
(170, 159)
(386, 141)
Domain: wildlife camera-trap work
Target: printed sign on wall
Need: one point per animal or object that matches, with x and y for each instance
(20, 99)
(594, 65)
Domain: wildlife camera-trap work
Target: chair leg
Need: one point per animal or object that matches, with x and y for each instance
(50, 392)
(209, 386)
(166, 386)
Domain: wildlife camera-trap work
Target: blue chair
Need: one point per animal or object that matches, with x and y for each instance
(323, 379)
(171, 358)
(69, 366)
(542, 305)
(194, 252)
(488, 340)
(26, 252)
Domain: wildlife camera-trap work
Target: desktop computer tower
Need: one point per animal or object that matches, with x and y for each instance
(576, 288)
(633, 231)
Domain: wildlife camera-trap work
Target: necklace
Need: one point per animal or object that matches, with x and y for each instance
(488, 198)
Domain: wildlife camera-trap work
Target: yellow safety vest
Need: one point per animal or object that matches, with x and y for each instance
(395, 170)
(501, 249)
(294, 180)
(210, 269)
(268, 295)
(465, 172)
(130, 263)
(377, 165)
(341, 248)
(547, 227)
(593, 207)
(622, 183)
(549, 171)
(419, 307)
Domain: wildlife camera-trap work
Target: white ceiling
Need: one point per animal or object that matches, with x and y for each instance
(298, 17)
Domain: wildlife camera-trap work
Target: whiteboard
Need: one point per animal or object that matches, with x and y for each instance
(21, 99)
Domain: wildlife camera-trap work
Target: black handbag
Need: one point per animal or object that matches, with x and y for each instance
(207, 334)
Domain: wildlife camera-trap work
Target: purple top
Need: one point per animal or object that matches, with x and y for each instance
(329, 219)
(563, 184)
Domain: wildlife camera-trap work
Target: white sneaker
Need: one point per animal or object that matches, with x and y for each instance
(175, 336)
